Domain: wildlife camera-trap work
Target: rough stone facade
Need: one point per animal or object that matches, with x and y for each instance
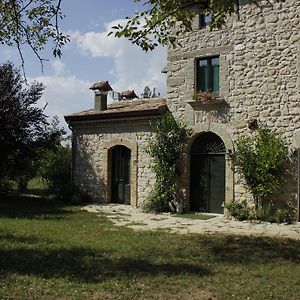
(91, 145)
(259, 59)
(259, 54)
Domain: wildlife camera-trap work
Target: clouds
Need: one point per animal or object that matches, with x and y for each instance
(120, 62)
(64, 93)
(132, 68)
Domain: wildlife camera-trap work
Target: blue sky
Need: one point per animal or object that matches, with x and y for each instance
(91, 56)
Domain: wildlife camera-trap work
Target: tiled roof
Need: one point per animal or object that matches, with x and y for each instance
(120, 109)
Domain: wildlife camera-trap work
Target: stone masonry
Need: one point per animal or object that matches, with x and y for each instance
(259, 54)
(259, 59)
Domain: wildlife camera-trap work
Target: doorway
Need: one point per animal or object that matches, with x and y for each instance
(120, 175)
(208, 174)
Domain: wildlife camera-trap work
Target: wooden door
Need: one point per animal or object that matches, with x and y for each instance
(207, 174)
(120, 175)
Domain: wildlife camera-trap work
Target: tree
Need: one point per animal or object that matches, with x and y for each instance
(24, 130)
(162, 21)
(147, 92)
(56, 170)
(32, 22)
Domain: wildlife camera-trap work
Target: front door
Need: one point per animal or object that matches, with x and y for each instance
(120, 175)
(208, 174)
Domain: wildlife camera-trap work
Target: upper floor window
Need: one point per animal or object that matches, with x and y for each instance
(207, 74)
(205, 20)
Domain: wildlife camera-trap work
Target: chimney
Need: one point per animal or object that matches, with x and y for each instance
(101, 90)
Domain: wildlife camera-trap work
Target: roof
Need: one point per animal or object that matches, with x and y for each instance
(128, 94)
(101, 86)
(123, 109)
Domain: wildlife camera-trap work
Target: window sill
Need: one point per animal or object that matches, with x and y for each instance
(206, 99)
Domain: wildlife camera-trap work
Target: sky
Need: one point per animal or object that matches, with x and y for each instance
(91, 56)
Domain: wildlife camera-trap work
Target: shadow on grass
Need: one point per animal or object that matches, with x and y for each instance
(31, 208)
(251, 250)
(86, 265)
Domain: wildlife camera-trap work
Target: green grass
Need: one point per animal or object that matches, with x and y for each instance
(195, 216)
(49, 250)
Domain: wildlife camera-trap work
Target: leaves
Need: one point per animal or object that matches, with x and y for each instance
(34, 23)
(24, 130)
(165, 149)
(163, 21)
(262, 159)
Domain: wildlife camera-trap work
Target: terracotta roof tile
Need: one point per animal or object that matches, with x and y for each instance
(124, 108)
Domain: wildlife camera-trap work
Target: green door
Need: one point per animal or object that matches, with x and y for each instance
(120, 175)
(208, 174)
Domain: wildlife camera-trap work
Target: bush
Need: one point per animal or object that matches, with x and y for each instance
(284, 215)
(265, 213)
(262, 160)
(240, 210)
(57, 172)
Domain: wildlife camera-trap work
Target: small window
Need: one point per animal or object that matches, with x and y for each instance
(205, 20)
(207, 74)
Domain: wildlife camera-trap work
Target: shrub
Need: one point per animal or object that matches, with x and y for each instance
(56, 170)
(261, 160)
(284, 215)
(165, 149)
(265, 213)
(240, 210)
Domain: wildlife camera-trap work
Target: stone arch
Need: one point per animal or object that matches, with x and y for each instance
(107, 147)
(229, 161)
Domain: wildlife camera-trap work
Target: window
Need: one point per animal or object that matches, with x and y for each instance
(205, 20)
(207, 74)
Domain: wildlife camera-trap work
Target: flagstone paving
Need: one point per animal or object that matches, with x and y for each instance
(136, 219)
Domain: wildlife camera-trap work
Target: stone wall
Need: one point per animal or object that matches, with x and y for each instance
(91, 144)
(259, 55)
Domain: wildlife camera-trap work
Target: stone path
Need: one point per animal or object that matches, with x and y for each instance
(125, 215)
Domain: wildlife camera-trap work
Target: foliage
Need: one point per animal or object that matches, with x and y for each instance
(149, 94)
(34, 23)
(265, 213)
(165, 149)
(162, 21)
(261, 160)
(25, 132)
(56, 170)
(284, 215)
(240, 210)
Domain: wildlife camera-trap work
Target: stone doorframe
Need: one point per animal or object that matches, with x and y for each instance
(229, 163)
(107, 147)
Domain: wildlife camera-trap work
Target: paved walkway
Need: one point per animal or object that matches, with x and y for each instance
(125, 215)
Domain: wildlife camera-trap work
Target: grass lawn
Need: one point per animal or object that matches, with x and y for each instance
(52, 251)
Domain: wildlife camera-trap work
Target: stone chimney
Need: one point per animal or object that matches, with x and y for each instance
(101, 90)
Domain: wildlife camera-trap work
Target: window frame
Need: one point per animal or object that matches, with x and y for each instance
(210, 78)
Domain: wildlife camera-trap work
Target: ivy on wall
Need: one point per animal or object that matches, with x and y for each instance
(170, 137)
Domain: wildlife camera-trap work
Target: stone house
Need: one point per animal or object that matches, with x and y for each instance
(243, 76)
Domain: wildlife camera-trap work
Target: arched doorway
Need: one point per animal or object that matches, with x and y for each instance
(207, 174)
(120, 174)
